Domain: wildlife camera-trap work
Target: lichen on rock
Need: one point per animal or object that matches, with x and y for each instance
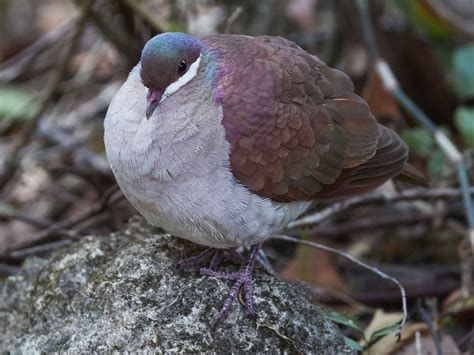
(123, 293)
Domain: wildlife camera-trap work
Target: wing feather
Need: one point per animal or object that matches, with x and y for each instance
(387, 162)
(296, 129)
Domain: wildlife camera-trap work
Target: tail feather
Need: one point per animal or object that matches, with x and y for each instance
(412, 175)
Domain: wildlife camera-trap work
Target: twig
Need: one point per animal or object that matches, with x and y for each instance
(233, 17)
(34, 221)
(329, 295)
(105, 21)
(407, 195)
(429, 322)
(8, 270)
(37, 222)
(418, 348)
(466, 338)
(152, 21)
(13, 67)
(391, 85)
(263, 260)
(365, 224)
(108, 198)
(386, 298)
(360, 263)
(328, 212)
(11, 165)
(81, 153)
(38, 249)
(90, 108)
(63, 228)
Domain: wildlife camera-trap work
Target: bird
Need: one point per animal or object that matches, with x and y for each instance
(226, 139)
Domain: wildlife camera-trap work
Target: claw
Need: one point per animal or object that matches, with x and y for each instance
(242, 278)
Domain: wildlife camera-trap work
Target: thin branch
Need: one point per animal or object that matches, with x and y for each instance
(391, 85)
(22, 254)
(16, 65)
(34, 221)
(263, 260)
(469, 337)
(370, 224)
(63, 228)
(429, 322)
(11, 165)
(328, 212)
(407, 195)
(418, 347)
(81, 153)
(151, 20)
(8, 270)
(123, 41)
(360, 263)
(109, 198)
(232, 18)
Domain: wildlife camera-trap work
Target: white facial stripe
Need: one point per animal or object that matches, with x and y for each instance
(175, 86)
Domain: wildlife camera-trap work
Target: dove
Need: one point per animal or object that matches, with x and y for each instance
(226, 139)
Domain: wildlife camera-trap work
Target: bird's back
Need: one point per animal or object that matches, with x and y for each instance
(296, 128)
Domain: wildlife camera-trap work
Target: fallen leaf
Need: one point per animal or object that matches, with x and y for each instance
(315, 267)
(381, 103)
(388, 344)
(427, 346)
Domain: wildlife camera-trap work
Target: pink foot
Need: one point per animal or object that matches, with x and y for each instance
(242, 278)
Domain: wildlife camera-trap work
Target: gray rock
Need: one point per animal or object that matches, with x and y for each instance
(123, 293)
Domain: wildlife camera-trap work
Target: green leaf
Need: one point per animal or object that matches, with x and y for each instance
(464, 71)
(7, 208)
(384, 331)
(175, 26)
(352, 344)
(435, 164)
(421, 16)
(344, 319)
(418, 140)
(15, 103)
(464, 120)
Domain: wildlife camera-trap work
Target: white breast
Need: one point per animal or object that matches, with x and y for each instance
(174, 169)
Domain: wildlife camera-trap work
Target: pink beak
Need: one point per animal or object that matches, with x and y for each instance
(153, 98)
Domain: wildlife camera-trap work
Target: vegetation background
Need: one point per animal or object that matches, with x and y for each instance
(61, 63)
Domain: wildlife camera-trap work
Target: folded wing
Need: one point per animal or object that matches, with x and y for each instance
(297, 130)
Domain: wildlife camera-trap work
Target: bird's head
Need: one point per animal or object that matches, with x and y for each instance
(168, 62)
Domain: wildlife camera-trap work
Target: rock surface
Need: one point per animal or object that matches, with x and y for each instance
(123, 293)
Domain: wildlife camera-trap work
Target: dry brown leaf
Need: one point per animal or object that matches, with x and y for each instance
(381, 103)
(315, 267)
(388, 344)
(459, 308)
(31, 185)
(427, 346)
(14, 233)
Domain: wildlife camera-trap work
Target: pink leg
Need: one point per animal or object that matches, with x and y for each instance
(242, 278)
(196, 260)
(216, 259)
(236, 257)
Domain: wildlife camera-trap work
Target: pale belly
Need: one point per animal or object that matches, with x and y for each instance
(174, 169)
(210, 210)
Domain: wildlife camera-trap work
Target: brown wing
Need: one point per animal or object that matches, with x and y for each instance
(388, 161)
(293, 123)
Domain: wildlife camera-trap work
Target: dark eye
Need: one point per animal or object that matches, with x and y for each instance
(182, 67)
